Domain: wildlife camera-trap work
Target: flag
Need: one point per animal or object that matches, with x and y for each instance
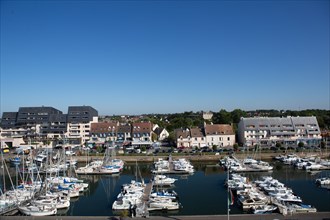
(230, 197)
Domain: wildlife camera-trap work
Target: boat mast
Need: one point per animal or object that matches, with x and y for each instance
(3, 168)
(228, 193)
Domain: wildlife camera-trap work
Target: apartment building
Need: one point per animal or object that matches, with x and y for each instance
(79, 122)
(288, 131)
(43, 123)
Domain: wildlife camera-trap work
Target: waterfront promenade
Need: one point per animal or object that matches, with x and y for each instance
(302, 216)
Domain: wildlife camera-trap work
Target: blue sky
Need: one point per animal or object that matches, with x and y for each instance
(136, 57)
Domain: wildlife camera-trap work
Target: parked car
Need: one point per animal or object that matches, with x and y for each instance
(70, 153)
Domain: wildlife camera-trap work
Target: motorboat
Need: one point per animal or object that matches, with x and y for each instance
(15, 160)
(109, 169)
(323, 181)
(163, 204)
(163, 180)
(248, 201)
(263, 209)
(164, 194)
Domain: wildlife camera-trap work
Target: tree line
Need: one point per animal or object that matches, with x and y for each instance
(195, 119)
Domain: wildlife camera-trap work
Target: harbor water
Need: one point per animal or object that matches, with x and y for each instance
(202, 193)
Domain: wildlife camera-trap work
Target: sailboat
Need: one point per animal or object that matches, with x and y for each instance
(111, 165)
(37, 210)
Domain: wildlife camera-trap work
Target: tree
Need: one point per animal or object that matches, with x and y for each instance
(235, 147)
(154, 137)
(278, 145)
(237, 114)
(301, 144)
(222, 117)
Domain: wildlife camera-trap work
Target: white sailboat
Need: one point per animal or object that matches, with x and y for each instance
(37, 210)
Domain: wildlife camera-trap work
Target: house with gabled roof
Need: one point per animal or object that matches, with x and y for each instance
(141, 133)
(198, 138)
(221, 135)
(161, 133)
(124, 133)
(104, 131)
(183, 138)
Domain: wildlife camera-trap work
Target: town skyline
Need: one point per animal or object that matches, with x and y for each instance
(165, 57)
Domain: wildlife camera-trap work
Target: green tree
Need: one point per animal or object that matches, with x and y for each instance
(301, 144)
(235, 147)
(236, 115)
(278, 145)
(153, 137)
(222, 117)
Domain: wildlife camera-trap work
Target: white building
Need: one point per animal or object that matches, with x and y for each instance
(221, 135)
(183, 138)
(161, 133)
(289, 131)
(79, 123)
(198, 140)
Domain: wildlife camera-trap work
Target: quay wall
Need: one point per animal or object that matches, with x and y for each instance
(194, 158)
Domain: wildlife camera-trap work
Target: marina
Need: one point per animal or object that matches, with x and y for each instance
(203, 189)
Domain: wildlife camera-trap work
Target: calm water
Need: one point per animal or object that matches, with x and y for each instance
(200, 194)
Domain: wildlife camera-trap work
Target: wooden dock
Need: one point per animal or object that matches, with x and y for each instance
(147, 191)
(12, 210)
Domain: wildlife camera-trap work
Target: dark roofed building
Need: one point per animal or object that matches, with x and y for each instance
(28, 117)
(81, 114)
(56, 124)
(8, 120)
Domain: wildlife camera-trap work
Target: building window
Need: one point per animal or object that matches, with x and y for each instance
(228, 138)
